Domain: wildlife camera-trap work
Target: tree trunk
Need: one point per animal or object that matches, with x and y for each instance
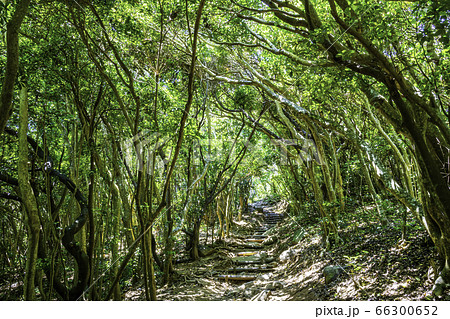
(436, 193)
(337, 177)
(151, 268)
(332, 211)
(195, 241)
(28, 198)
(91, 245)
(228, 213)
(116, 214)
(241, 206)
(12, 61)
(220, 216)
(167, 278)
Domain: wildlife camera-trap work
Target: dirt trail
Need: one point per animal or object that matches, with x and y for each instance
(273, 256)
(252, 259)
(241, 266)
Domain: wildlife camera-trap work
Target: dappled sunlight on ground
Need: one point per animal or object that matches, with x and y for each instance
(377, 265)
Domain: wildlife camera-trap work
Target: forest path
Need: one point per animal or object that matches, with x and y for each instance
(242, 266)
(284, 259)
(251, 259)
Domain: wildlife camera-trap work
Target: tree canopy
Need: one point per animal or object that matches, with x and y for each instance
(128, 128)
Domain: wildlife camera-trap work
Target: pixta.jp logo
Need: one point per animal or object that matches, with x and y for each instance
(140, 150)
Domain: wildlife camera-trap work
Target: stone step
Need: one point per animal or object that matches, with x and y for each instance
(250, 269)
(254, 240)
(236, 277)
(254, 236)
(246, 253)
(255, 262)
(257, 236)
(247, 246)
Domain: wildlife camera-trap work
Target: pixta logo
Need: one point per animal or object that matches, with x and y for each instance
(139, 151)
(296, 151)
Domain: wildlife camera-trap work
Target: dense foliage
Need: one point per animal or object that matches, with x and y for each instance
(150, 122)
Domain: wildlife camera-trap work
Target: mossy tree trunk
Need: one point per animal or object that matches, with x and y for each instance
(28, 198)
